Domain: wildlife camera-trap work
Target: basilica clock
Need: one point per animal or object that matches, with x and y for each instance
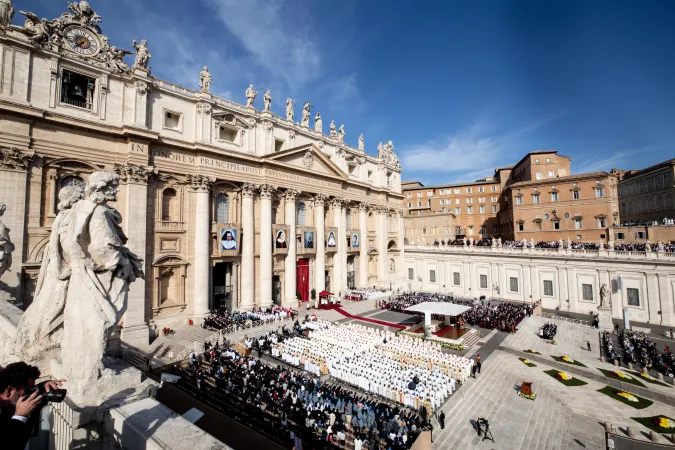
(81, 41)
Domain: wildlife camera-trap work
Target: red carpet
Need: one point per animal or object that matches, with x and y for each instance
(364, 319)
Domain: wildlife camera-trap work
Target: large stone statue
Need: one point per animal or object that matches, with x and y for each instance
(87, 274)
(601, 244)
(205, 80)
(333, 131)
(41, 327)
(318, 123)
(6, 246)
(532, 243)
(361, 143)
(305, 114)
(267, 99)
(83, 13)
(341, 133)
(6, 13)
(289, 109)
(604, 296)
(142, 55)
(251, 94)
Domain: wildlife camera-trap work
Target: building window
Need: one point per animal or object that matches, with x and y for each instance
(419, 204)
(633, 296)
(548, 160)
(538, 176)
(481, 199)
(456, 201)
(482, 209)
(554, 196)
(601, 222)
(556, 224)
(619, 236)
(481, 189)
(536, 161)
(172, 120)
(457, 211)
(432, 276)
(548, 288)
(521, 226)
(513, 284)
(483, 230)
(483, 282)
(599, 192)
(169, 205)
(348, 214)
(495, 229)
(576, 195)
(222, 208)
(519, 200)
(77, 90)
(587, 292)
(577, 224)
(640, 235)
(535, 198)
(409, 205)
(551, 174)
(469, 210)
(470, 229)
(301, 214)
(469, 201)
(430, 193)
(456, 190)
(494, 208)
(469, 190)
(493, 199)
(493, 188)
(409, 194)
(455, 279)
(537, 225)
(227, 134)
(411, 273)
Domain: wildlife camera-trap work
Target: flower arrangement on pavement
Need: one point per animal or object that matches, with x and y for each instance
(621, 376)
(567, 360)
(649, 379)
(531, 396)
(660, 423)
(664, 422)
(533, 352)
(565, 378)
(628, 396)
(632, 400)
(527, 362)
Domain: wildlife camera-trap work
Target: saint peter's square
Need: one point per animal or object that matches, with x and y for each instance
(206, 263)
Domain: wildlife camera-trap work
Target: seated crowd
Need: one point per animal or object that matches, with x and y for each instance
(365, 293)
(504, 316)
(223, 319)
(295, 409)
(573, 245)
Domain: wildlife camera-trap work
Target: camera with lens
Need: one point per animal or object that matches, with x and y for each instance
(53, 396)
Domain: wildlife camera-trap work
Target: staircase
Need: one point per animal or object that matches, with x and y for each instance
(470, 339)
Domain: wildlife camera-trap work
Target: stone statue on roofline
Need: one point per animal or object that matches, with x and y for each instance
(318, 123)
(85, 280)
(142, 55)
(290, 103)
(333, 130)
(6, 246)
(251, 94)
(306, 109)
(267, 100)
(205, 80)
(6, 13)
(604, 296)
(361, 143)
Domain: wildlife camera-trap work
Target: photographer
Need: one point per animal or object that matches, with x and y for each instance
(18, 411)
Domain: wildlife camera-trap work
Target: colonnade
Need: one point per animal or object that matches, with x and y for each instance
(289, 198)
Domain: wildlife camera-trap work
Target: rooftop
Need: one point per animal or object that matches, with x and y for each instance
(660, 165)
(582, 176)
(446, 309)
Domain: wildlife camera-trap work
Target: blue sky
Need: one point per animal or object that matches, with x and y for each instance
(459, 87)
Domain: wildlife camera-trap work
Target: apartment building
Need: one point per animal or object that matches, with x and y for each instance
(648, 195)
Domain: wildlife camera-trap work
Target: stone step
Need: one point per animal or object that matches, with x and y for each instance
(470, 339)
(537, 411)
(546, 439)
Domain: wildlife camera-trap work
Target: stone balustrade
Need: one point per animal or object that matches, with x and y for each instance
(548, 252)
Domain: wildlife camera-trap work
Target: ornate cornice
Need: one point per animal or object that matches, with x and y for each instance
(14, 159)
(291, 195)
(248, 189)
(267, 191)
(380, 209)
(133, 174)
(200, 183)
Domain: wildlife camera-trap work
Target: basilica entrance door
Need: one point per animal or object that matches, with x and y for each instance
(276, 290)
(303, 278)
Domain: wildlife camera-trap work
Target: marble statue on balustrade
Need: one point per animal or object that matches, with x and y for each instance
(318, 123)
(6, 246)
(205, 80)
(561, 244)
(661, 247)
(290, 103)
(251, 94)
(471, 242)
(361, 143)
(648, 247)
(267, 100)
(88, 272)
(6, 13)
(569, 243)
(142, 55)
(601, 244)
(464, 242)
(306, 113)
(333, 129)
(494, 242)
(341, 133)
(499, 242)
(610, 245)
(532, 243)
(604, 296)
(41, 327)
(386, 153)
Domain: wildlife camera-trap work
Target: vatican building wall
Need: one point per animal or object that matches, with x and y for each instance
(641, 283)
(227, 204)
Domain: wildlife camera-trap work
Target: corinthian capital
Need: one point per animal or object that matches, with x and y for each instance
(320, 199)
(14, 159)
(200, 183)
(337, 202)
(248, 189)
(363, 206)
(380, 209)
(291, 195)
(133, 174)
(267, 191)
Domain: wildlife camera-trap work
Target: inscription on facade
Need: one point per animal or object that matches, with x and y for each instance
(301, 179)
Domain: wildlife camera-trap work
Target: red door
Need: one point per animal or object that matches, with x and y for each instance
(303, 278)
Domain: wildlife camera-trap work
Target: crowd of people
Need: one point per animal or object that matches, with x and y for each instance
(505, 316)
(230, 322)
(548, 330)
(295, 409)
(365, 293)
(642, 223)
(640, 350)
(560, 244)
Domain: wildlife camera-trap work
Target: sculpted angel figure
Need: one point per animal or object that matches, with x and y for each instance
(267, 99)
(333, 133)
(318, 123)
(142, 54)
(251, 94)
(38, 30)
(6, 13)
(205, 80)
(341, 133)
(289, 109)
(115, 61)
(6, 246)
(305, 114)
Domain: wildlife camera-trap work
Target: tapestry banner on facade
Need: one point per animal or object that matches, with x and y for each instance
(228, 239)
(331, 239)
(306, 240)
(280, 239)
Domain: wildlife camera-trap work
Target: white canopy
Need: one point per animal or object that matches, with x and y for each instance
(446, 309)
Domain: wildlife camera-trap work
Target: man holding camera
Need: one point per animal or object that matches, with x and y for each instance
(21, 401)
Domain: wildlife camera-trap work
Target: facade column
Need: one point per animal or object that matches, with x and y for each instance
(320, 243)
(53, 190)
(136, 332)
(336, 206)
(401, 272)
(266, 263)
(235, 286)
(200, 186)
(381, 244)
(247, 247)
(290, 270)
(363, 248)
(342, 233)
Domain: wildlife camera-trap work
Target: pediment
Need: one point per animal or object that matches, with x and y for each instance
(308, 158)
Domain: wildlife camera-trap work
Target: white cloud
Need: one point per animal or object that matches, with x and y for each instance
(612, 161)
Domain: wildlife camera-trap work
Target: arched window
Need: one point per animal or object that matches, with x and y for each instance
(169, 206)
(301, 215)
(72, 180)
(348, 213)
(222, 208)
(424, 230)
